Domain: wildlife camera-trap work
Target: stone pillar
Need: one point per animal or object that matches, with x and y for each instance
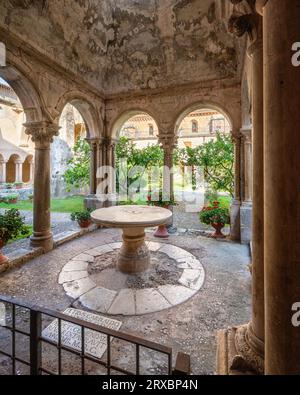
(241, 349)
(31, 171)
(93, 165)
(19, 170)
(281, 25)
(235, 229)
(246, 207)
(256, 330)
(42, 134)
(168, 177)
(3, 171)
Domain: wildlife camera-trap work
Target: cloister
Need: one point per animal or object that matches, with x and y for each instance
(239, 65)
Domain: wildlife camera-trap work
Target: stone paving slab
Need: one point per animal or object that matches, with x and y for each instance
(77, 288)
(98, 299)
(176, 294)
(192, 279)
(124, 303)
(149, 301)
(66, 277)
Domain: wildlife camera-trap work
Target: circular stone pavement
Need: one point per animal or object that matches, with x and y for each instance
(174, 276)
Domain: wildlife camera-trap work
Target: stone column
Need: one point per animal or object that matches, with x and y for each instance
(93, 165)
(244, 345)
(42, 134)
(19, 170)
(3, 171)
(235, 229)
(168, 177)
(256, 329)
(246, 207)
(281, 25)
(31, 171)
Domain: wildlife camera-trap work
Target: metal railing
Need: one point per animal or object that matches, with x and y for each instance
(36, 341)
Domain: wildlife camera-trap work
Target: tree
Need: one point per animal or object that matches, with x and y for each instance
(217, 160)
(138, 163)
(78, 173)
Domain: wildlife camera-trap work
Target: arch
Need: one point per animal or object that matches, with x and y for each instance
(26, 174)
(11, 168)
(85, 108)
(124, 117)
(198, 106)
(26, 91)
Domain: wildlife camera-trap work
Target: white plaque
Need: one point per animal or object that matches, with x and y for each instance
(95, 342)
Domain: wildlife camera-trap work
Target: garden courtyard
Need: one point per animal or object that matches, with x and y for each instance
(149, 174)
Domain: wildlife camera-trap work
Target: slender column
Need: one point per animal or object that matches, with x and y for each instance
(246, 206)
(245, 350)
(42, 134)
(247, 164)
(93, 166)
(19, 170)
(282, 186)
(3, 171)
(31, 171)
(235, 230)
(256, 329)
(168, 177)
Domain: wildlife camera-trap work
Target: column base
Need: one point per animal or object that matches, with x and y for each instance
(246, 222)
(235, 227)
(236, 354)
(42, 240)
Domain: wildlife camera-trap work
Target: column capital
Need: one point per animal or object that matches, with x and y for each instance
(168, 142)
(42, 133)
(246, 20)
(246, 135)
(18, 161)
(236, 138)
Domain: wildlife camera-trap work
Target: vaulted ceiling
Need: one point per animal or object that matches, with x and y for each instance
(130, 45)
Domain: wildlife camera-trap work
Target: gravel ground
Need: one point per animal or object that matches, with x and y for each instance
(191, 327)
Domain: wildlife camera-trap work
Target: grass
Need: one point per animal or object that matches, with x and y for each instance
(67, 205)
(21, 237)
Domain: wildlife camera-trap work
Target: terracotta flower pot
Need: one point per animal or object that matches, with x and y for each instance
(13, 201)
(3, 258)
(85, 223)
(218, 227)
(161, 232)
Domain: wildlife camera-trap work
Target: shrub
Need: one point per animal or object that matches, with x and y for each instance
(12, 225)
(214, 214)
(81, 215)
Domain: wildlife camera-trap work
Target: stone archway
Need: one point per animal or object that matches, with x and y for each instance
(11, 172)
(28, 169)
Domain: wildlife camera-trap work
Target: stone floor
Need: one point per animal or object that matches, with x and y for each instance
(223, 300)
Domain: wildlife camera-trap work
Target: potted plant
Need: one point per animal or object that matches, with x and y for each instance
(83, 218)
(30, 197)
(12, 199)
(159, 201)
(215, 216)
(9, 186)
(11, 226)
(18, 185)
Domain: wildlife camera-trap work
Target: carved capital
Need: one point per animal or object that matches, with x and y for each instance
(42, 133)
(245, 20)
(246, 136)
